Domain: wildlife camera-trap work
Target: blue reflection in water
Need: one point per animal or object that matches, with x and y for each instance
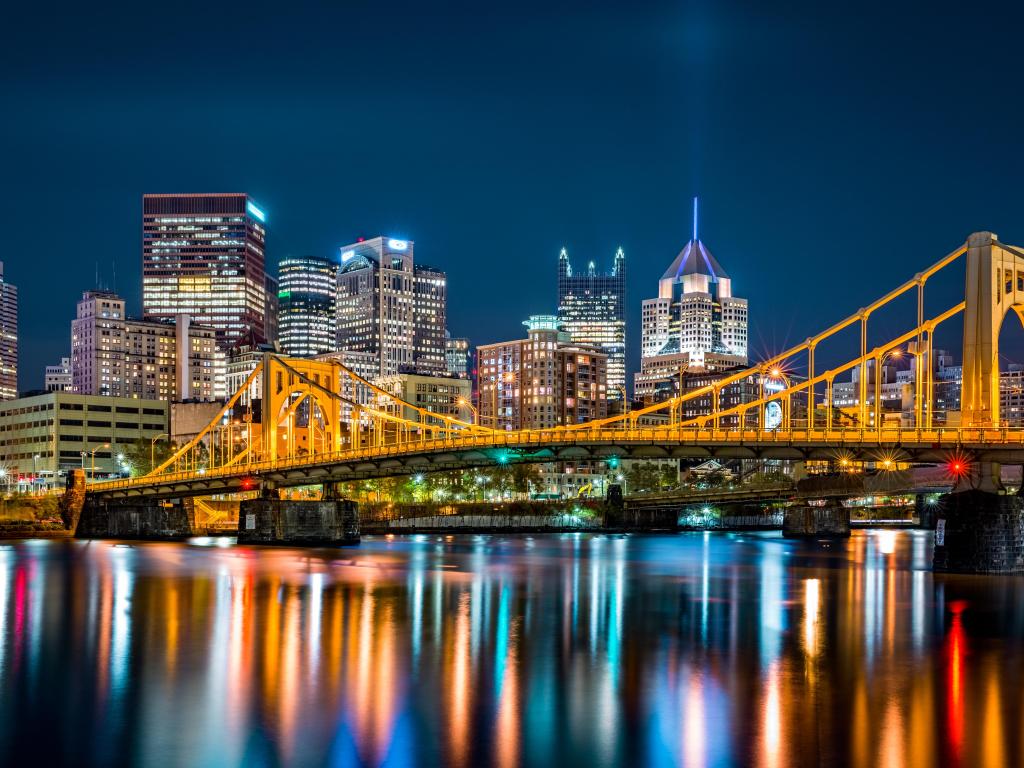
(552, 650)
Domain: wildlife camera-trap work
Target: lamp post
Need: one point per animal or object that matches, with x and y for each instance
(152, 450)
(776, 373)
(463, 402)
(894, 354)
(92, 454)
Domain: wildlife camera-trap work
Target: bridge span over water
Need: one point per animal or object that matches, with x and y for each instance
(299, 421)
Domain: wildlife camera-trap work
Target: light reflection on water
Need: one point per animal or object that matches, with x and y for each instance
(470, 650)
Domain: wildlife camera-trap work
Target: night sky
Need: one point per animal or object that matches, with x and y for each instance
(836, 151)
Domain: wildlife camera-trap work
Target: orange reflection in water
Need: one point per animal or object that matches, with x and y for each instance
(508, 735)
(629, 652)
(460, 694)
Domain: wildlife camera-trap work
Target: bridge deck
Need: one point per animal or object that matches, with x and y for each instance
(570, 444)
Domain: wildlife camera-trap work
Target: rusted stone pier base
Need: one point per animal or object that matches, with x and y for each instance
(806, 521)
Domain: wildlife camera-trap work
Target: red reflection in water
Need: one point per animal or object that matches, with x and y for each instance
(956, 647)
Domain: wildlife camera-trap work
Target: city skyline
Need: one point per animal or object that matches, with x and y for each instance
(745, 114)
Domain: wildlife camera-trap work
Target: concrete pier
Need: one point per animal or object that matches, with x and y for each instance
(979, 531)
(151, 520)
(807, 521)
(316, 523)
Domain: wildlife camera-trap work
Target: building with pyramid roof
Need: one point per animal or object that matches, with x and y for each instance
(695, 323)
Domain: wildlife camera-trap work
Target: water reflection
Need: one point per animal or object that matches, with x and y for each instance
(692, 650)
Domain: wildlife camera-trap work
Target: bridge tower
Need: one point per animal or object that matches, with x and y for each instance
(994, 286)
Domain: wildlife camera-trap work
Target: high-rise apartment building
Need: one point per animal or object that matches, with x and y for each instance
(391, 307)
(57, 378)
(306, 312)
(8, 338)
(695, 319)
(542, 381)
(203, 256)
(592, 309)
(119, 357)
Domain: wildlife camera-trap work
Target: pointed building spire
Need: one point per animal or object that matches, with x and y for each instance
(694, 218)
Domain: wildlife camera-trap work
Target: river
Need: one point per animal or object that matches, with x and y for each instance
(561, 650)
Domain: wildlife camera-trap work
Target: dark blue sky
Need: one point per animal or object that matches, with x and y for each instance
(835, 152)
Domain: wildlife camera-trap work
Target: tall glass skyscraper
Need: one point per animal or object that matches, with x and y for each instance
(8, 338)
(391, 307)
(306, 311)
(202, 255)
(592, 309)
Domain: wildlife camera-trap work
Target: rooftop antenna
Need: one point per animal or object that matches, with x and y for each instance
(97, 275)
(695, 218)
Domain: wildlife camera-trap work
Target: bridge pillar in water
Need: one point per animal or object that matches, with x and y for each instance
(614, 507)
(149, 520)
(803, 520)
(329, 522)
(924, 511)
(977, 531)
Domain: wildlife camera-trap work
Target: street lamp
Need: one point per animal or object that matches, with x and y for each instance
(895, 354)
(92, 454)
(152, 450)
(463, 402)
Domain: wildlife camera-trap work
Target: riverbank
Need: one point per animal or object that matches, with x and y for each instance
(31, 517)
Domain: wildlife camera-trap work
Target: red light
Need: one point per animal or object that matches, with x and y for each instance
(956, 467)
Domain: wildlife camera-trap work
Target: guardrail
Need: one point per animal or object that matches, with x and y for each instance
(845, 438)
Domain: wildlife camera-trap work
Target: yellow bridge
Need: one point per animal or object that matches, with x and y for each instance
(298, 421)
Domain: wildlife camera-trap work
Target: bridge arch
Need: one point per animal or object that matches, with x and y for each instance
(994, 287)
(286, 389)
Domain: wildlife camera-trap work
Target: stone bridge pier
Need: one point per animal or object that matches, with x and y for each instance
(150, 520)
(818, 511)
(331, 521)
(979, 527)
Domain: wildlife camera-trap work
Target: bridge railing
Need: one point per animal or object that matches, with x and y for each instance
(890, 440)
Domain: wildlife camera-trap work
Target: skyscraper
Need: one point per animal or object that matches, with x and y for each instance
(202, 255)
(8, 338)
(592, 309)
(695, 323)
(391, 307)
(306, 312)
